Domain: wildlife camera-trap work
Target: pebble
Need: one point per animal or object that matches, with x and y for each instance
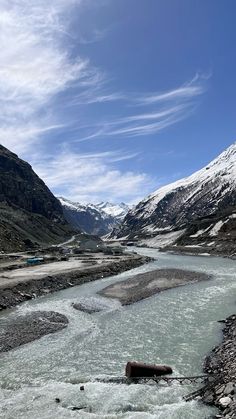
(229, 389)
(225, 401)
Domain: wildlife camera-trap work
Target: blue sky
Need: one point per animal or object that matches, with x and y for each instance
(110, 99)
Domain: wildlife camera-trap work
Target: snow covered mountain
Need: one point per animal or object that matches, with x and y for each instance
(210, 193)
(93, 219)
(117, 211)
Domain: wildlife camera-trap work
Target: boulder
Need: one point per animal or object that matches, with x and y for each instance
(229, 389)
(225, 401)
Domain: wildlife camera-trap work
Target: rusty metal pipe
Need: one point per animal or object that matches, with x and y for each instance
(139, 369)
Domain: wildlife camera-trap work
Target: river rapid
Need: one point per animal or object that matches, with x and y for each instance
(177, 327)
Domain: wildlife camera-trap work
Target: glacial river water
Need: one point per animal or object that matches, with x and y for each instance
(177, 327)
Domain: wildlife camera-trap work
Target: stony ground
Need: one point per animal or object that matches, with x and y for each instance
(147, 284)
(221, 364)
(30, 327)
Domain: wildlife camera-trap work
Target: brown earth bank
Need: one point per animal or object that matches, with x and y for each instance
(27, 328)
(13, 293)
(147, 284)
(220, 389)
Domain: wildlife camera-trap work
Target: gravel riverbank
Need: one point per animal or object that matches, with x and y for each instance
(13, 293)
(147, 284)
(30, 327)
(221, 363)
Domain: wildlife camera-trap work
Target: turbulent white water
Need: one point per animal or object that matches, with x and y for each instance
(177, 327)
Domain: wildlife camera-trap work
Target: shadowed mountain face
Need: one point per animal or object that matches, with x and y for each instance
(202, 199)
(29, 212)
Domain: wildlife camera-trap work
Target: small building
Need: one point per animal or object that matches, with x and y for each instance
(34, 261)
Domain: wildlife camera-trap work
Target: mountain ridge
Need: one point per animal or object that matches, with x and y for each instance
(209, 192)
(118, 211)
(97, 219)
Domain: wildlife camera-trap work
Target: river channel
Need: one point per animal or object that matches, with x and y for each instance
(177, 327)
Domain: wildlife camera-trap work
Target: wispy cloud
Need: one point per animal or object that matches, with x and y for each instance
(92, 176)
(96, 36)
(42, 74)
(157, 112)
(35, 66)
(187, 91)
(146, 128)
(97, 95)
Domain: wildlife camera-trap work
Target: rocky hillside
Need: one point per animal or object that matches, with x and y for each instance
(199, 207)
(97, 219)
(214, 234)
(29, 212)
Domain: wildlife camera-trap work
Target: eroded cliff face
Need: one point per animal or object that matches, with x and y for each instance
(20, 186)
(29, 212)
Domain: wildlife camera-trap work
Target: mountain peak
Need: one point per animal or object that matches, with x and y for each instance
(97, 219)
(116, 210)
(174, 206)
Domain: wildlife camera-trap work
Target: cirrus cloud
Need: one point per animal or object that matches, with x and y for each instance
(35, 67)
(45, 84)
(91, 177)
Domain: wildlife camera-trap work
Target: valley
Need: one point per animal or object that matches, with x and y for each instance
(93, 283)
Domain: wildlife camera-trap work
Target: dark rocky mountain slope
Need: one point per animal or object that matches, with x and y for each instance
(29, 213)
(214, 234)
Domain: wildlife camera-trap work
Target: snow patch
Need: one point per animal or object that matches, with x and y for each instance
(115, 210)
(162, 240)
(200, 232)
(215, 230)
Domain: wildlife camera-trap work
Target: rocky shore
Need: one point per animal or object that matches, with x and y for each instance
(90, 305)
(11, 295)
(30, 327)
(220, 389)
(145, 285)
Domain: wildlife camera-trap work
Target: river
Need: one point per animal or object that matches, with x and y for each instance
(177, 327)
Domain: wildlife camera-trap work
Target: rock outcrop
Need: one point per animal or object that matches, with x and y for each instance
(220, 387)
(215, 235)
(29, 213)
